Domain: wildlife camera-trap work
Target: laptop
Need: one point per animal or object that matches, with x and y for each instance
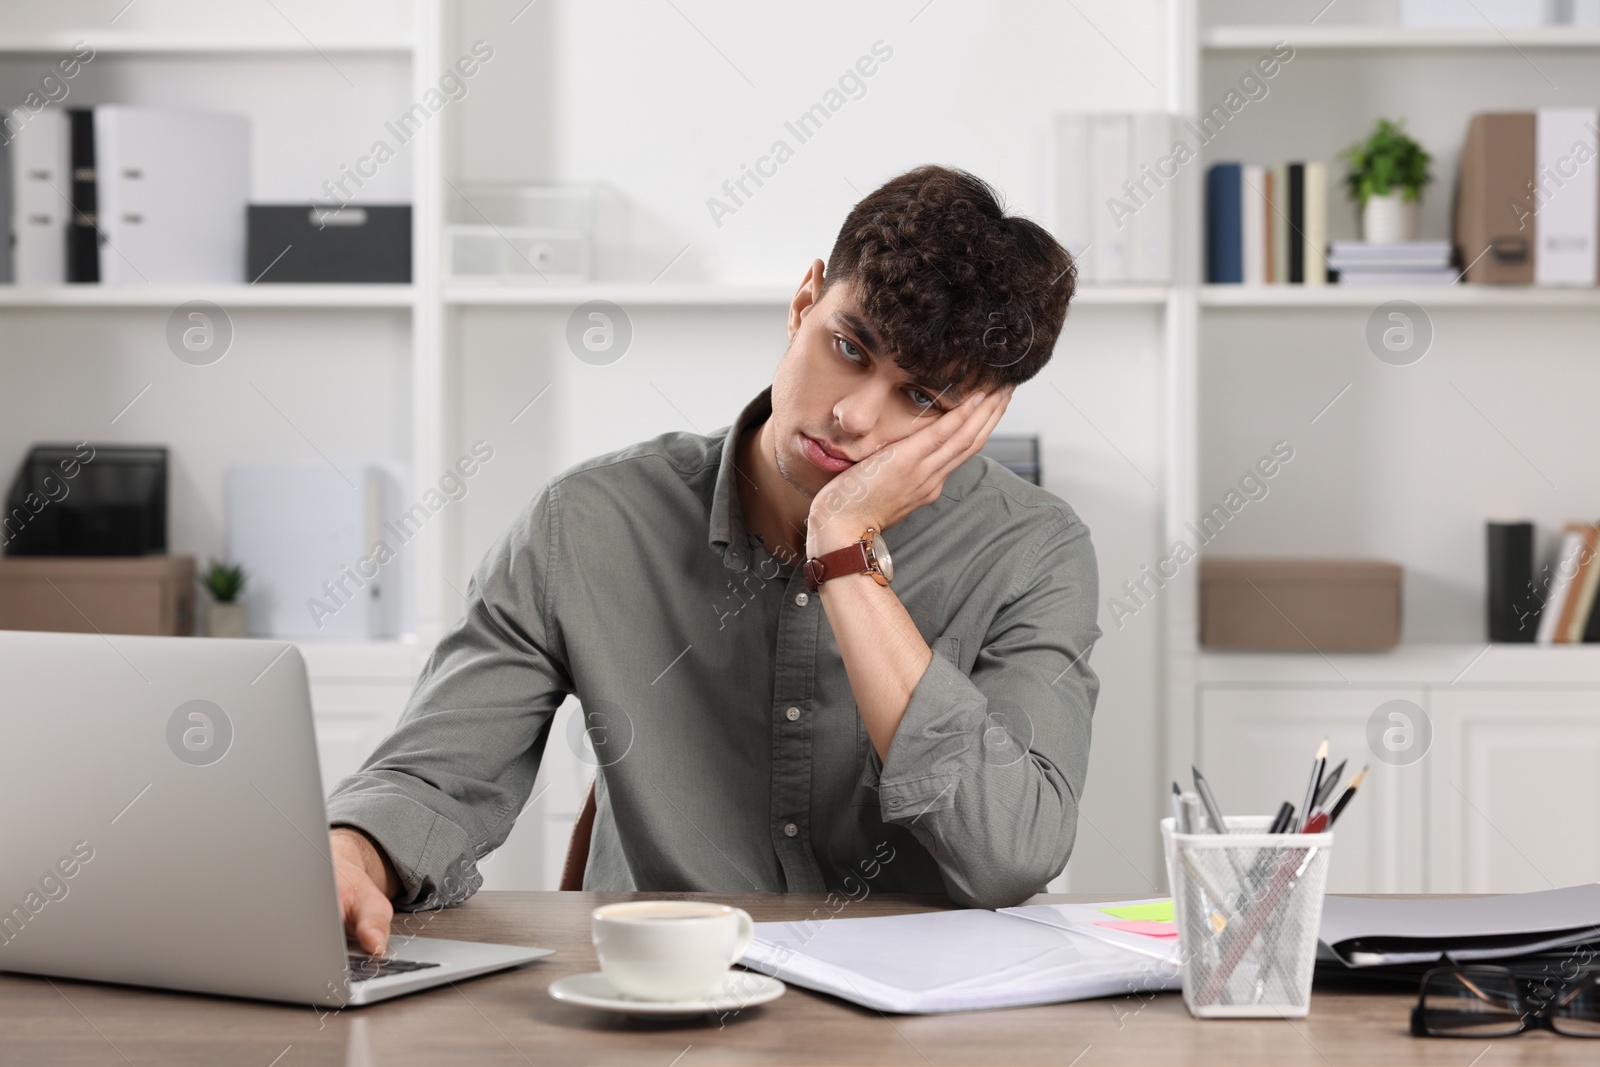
(164, 826)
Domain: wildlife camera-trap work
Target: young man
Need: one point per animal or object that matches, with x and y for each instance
(754, 665)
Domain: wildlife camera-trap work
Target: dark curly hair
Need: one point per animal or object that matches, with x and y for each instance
(964, 295)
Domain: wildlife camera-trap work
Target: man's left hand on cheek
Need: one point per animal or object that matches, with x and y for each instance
(884, 488)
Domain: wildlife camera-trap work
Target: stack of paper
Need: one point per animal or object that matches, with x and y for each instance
(1400, 263)
(1379, 931)
(967, 960)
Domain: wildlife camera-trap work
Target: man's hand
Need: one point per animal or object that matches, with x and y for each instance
(367, 881)
(884, 488)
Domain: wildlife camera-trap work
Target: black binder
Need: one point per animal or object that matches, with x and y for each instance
(83, 235)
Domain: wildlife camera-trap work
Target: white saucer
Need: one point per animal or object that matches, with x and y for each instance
(741, 989)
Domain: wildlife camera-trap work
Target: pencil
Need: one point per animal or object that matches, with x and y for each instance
(1317, 766)
(1329, 782)
(1355, 783)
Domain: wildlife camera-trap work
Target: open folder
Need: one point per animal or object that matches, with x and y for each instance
(967, 960)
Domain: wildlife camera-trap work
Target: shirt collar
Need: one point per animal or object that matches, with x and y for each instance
(729, 535)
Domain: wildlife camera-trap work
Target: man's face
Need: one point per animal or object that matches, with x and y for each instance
(838, 395)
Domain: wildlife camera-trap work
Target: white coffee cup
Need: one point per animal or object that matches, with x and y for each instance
(669, 949)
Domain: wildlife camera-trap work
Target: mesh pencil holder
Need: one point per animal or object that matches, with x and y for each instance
(1248, 905)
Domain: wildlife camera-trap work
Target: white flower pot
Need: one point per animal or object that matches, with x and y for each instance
(227, 620)
(1387, 219)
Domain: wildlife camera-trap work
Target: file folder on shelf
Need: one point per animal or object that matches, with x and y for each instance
(171, 188)
(41, 199)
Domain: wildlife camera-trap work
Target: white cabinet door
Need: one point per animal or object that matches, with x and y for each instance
(359, 690)
(1255, 746)
(1515, 789)
(350, 721)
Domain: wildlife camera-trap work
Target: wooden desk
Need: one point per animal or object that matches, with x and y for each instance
(510, 1019)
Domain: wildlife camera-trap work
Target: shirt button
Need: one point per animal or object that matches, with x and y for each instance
(792, 714)
(790, 829)
(802, 599)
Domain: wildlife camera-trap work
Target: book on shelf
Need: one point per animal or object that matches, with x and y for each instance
(1224, 224)
(1267, 225)
(1253, 223)
(1584, 585)
(1297, 222)
(1570, 596)
(1110, 195)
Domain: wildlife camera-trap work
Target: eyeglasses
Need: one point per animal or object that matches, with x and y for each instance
(1485, 1001)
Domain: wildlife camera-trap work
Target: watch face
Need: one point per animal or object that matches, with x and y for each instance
(880, 554)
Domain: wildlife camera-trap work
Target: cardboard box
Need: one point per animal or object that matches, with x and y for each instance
(128, 595)
(1299, 605)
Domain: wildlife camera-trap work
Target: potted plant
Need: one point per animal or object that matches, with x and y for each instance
(225, 616)
(1387, 173)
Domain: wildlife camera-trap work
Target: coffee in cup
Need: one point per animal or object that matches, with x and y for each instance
(669, 950)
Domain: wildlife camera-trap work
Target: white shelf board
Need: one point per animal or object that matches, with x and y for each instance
(1396, 38)
(624, 293)
(712, 295)
(225, 296)
(126, 43)
(1426, 296)
(1414, 664)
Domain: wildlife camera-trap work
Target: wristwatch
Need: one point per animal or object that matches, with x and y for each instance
(867, 556)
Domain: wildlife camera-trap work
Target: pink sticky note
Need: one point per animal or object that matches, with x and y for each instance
(1147, 927)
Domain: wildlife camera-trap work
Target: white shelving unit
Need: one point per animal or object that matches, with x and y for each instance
(1395, 471)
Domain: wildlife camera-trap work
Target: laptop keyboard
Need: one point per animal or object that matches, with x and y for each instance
(365, 968)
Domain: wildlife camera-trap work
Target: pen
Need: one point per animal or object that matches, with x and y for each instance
(1329, 781)
(1355, 783)
(1284, 818)
(1213, 813)
(1177, 810)
(1317, 765)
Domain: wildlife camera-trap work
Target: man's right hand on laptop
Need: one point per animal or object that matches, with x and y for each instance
(367, 882)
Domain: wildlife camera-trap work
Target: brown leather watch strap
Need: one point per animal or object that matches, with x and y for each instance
(851, 559)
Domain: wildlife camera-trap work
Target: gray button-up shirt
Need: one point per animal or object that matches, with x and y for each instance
(732, 756)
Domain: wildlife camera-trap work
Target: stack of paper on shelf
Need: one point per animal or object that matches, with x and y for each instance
(1400, 263)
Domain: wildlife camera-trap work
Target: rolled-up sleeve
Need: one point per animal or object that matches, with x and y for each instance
(987, 771)
(444, 789)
